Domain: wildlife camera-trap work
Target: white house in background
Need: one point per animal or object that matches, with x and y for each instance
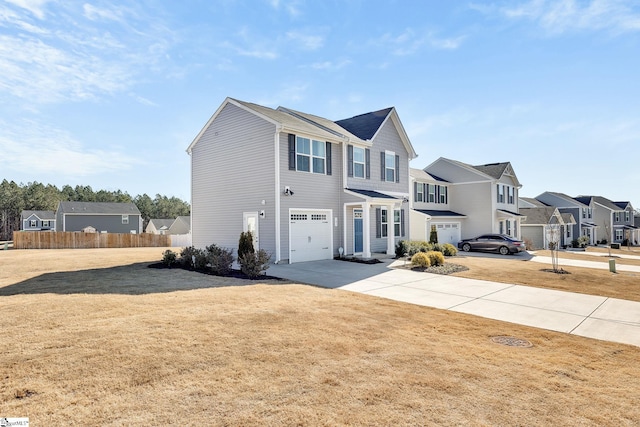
(158, 226)
(38, 220)
(304, 185)
(541, 225)
(430, 207)
(486, 196)
(614, 219)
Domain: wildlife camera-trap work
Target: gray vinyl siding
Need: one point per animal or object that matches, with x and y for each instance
(474, 201)
(232, 167)
(108, 223)
(311, 191)
(387, 139)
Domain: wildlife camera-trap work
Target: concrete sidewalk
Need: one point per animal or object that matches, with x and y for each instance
(601, 265)
(590, 316)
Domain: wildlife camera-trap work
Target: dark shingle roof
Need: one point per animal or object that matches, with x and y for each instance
(432, 212)
(533, 201)
(537, 216)
(365, 125)
(46, 215)
(597, 199)
(371, 193)
(494, 170)
(622, 205)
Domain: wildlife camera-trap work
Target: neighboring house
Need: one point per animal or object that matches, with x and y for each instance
(582, 214)
(38, 220)
(529, 202)
(103, 217)
(542, 225)
(181, 225)
(485, 195)
(304, 185)
(158, 226)
(614, 219)
(430, 207)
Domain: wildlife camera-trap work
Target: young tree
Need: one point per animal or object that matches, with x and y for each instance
(553, 237)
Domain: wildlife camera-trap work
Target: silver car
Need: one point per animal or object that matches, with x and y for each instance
(500, 243)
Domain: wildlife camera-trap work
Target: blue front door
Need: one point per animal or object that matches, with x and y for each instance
(357, 231)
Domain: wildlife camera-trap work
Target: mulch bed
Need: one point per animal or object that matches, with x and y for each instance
(235, 274)
(359, 260)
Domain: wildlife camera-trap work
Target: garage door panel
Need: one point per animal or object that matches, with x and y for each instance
(448, 233)
(310, 235)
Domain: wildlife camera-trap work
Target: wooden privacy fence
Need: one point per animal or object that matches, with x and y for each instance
(80, 240)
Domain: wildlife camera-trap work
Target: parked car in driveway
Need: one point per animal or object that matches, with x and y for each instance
(493, 243)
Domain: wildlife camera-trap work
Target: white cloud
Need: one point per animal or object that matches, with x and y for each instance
(36, 7)
(53, 151)
(330, 65)
(306, 41)
(411, 41)
(560, 16)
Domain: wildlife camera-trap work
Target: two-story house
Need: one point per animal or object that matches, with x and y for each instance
(608, 216)
(624, 227)
(486, 195)
(102, 217)
(307, 188)
(38, 220)
(430, 208)
(584, 224)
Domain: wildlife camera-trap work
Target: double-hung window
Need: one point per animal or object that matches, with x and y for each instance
(125, 219)
(33, 223)
(396, 222)
(419, 192)
(310, 155)
(383, 223)
(443, 194)
(617, 217)
(511, 191)
(619, 235)
(390, 166)
(626, 216)
(358, 162)
(500, 193)
(432, 193)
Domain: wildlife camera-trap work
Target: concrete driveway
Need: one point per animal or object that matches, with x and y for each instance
(590, 316)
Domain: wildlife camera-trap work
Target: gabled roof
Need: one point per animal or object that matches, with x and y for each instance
(160, 224)
(599, 200)
(566, 197)
(490, 171)
(365, 125)
(623, 205)
(539, 215)
(534, 202)
(568, 218)
(103, 208)
(420, 174)
(46, 215)
(357, 129)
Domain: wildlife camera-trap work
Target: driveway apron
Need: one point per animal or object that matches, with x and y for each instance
(585, 315)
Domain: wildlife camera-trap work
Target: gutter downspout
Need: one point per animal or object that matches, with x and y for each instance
(276, 146)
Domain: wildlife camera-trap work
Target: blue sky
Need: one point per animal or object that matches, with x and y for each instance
(110, 94)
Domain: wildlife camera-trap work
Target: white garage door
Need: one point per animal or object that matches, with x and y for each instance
(448, 233)
(310, 234)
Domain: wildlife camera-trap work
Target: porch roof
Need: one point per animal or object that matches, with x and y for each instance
(370, 194)
(440, 214)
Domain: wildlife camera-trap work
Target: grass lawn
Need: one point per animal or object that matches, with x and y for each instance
(93, 337)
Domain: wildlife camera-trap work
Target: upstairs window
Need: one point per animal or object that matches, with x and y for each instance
(125, 219)
(310, 155)
(432, 193)
(419, 191)
(511, 191)
(390, 166)
(584, 213)
(617, 217)
(443, 194)
(500, 193)
(358, 162)
(589, 212)
(627, 216)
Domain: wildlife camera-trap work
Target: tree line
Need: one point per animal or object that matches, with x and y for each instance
(14, 198)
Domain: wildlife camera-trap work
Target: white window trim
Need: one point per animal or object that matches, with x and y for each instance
(384, 222)
(619, 234)
(363, 162)
(444, 196)
(399, 223)
(392, 168)
(311, 155)
(432, 192)
(420, 192)
(500, 193)
(125, 219)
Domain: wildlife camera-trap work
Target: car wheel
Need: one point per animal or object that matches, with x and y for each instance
(466, 247)
(504, 250)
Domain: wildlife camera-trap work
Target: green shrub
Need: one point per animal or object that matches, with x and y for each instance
(253, 264)
(193, 257)
(169, 257)
(437, 247)
(583, 241)
(436, 258)
(415, 246)
(449, 250)
(433, 235)
(402, 248)
(245, 244)
(421, 259)
(219, 259)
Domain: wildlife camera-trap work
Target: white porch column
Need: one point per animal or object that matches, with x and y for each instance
(366, 230)
(391, 242)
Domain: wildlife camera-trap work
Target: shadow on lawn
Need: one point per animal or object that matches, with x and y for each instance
(133, 279)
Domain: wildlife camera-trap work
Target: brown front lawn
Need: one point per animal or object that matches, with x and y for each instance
(94, 337)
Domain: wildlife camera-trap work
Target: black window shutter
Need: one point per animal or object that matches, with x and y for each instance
(378, 222)
(401, 222)
(328, 154)
(415, 190)
(382, 177)
(367, 163)
(398, 168)
(349, 160)
(425, 188)
(292, 152)
(437, 194)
